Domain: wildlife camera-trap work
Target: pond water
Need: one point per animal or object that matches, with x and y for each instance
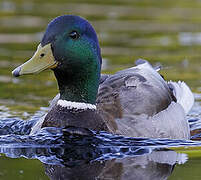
(165, 33)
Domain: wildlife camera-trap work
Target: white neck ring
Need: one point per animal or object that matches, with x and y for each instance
(75, 105)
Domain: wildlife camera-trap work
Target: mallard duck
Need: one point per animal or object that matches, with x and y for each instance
(133, 102)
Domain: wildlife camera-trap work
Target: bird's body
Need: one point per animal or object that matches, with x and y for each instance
(133, 102)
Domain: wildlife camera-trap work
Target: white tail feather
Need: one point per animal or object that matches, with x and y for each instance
(183, 95)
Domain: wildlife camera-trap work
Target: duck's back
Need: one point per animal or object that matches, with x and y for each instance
(138, 102)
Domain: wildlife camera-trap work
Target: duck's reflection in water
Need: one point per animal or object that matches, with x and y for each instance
(82, 154)
(157, 165)
(87, 161)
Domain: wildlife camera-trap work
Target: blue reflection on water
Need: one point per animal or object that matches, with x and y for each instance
(67, 147)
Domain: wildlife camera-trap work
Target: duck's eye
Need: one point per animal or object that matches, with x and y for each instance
(74, 35)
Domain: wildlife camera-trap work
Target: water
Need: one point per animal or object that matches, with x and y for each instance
(165, 33)
(73, 156)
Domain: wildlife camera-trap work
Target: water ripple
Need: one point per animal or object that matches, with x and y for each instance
(59, 146)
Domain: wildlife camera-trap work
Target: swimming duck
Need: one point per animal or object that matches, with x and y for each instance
(133, 102)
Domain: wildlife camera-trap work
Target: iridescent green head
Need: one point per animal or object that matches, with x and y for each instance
(70, 48)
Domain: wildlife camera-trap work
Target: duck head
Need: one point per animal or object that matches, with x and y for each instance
(70, 48)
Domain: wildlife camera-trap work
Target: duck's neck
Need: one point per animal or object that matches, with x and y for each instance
(79, 85)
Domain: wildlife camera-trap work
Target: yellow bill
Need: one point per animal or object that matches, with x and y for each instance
(42, 59)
